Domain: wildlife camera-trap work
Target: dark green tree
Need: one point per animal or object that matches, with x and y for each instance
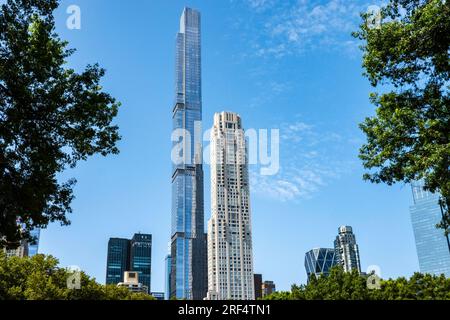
(407, 57)
(40, 278)
(50, 118)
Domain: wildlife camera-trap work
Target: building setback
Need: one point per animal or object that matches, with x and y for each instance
(432, 245)
(188, 239)
(230, 257)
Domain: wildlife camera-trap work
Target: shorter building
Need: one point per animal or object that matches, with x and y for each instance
(129, 255)
(21, 251)
(319, 261)
(258, 286)
(268, 287)
(168, 267)
(158, 295)
(131, 282)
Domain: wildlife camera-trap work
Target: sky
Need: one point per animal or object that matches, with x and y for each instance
(287, 65)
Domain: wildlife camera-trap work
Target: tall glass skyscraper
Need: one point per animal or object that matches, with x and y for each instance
(319, 261)
(188, 238)
(433, 249)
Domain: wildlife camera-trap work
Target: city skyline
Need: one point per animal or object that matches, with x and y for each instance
(265, 205)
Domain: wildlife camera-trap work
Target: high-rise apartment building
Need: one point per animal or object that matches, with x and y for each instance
(319, 261)
(433, 247)
(230, 259)
(129, 255)
(347, 251)
(188, 239)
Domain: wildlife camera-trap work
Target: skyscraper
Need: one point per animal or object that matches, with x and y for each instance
(319, 261)
(347, 251)
(141, 257)
(129, 255)
(33, 248)
(117, 260)
(188, 238)
(230, 258)
(433, 248)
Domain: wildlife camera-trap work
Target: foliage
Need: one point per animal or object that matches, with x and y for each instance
(40, 278)
(340, 285)
(408, 55)
(50, 118)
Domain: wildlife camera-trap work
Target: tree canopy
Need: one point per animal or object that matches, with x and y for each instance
(50, 118)
(406, 57)
(340, 285)
(40, 278)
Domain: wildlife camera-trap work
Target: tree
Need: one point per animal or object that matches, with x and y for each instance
(339, 285)
(409, 137)
(51, 117)
(40, 278)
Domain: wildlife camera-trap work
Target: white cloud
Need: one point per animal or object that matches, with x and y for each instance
(311, 157)
(295, 26)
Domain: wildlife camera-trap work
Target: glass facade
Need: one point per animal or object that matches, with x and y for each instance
(141, 257)
(319, 261)
(432, 245)
(117, 260)
(130, 255)
(188, 240)
(168, 266)
(33, 248)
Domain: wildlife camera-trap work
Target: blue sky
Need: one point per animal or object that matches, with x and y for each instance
(290, 65)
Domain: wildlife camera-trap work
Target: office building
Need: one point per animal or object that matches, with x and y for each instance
(141, 257)
(268, 287)
(188, 239)
(433, 248)
(33, 247)
(347, 251)
(230, 257)
(129, 255)
(319, 261)
(258, 286)
(168, 268)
